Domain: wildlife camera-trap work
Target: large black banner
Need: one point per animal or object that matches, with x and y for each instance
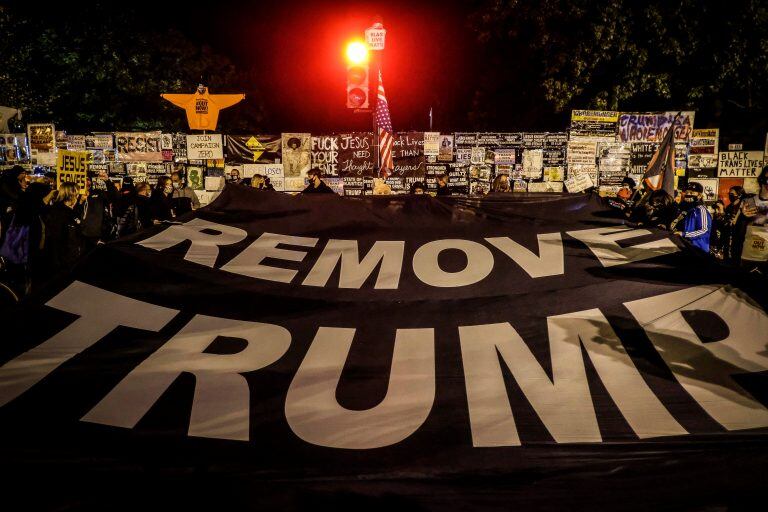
(281, 352)
(253, 149)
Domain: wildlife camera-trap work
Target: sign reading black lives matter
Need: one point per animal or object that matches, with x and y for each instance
(408, 155)
(289, 342)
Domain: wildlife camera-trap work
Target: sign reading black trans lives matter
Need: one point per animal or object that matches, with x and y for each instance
(271, 346)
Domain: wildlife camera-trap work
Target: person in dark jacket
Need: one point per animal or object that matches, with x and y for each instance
(135, 210)
(96, 210)
(735, 226)
(161, 201)
(316, 184)
(12, 184)
(64, 243)
(28, 222)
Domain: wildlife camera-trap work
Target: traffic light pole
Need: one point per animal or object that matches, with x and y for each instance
(375, 67)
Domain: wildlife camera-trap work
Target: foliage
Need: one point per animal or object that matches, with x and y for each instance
(625, 55)
(104, 68)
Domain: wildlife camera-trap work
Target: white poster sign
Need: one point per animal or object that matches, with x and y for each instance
(205, 147)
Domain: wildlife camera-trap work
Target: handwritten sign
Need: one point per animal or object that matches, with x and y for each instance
(72, 166)
(739, 164)
(205, 147)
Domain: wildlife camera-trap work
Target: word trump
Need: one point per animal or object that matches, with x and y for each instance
(222, 404)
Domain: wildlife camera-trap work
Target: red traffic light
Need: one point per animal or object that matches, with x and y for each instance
(357, 98)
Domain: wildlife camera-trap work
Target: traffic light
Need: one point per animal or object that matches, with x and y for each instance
(357, 75)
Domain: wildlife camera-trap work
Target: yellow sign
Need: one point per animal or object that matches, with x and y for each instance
(256, 146)
(72, 166)
(608, 116)
(203, 108)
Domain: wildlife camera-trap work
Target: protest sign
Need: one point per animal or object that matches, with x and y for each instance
(195, 178)
(533, 163)
(465, 139)
(76, 143)
(653, 127)
(582, 156)
(478, 155)
(356, 155)
(431, 143)
(325, 154)
(594, 123)
(556, 173)
(613, 163)
(296, 155)
(408, 155)
(578, 182)
(503, 156)
(99, 141)
(154, 170)
(42, 143)
(710, 186)
(445, 153)
(534, 140)
(137, 171)
(138, 146)
(245, 149)
(555, 146)
(274, 172)
(739, 164)
(205, 146)
(72, 166)
(545, 186)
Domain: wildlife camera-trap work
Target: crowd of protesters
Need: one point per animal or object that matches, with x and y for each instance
(725, 232)
(45, 230)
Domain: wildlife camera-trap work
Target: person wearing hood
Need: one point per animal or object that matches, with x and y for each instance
(694, 222)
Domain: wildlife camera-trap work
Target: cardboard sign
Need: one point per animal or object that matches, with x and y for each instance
(431, 143)
(205, 147)
(739, 164)
(72, 166)
(578, 182)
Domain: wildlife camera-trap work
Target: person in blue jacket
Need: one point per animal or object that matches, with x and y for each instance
(695, 222)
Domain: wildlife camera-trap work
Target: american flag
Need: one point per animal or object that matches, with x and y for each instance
(386, 140)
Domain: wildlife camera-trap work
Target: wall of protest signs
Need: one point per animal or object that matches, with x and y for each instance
(472, 163)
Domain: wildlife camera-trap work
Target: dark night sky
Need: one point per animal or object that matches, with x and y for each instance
(297, 49)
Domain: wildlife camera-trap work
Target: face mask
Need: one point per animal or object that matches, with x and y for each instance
(177, 185)
(732, 197)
